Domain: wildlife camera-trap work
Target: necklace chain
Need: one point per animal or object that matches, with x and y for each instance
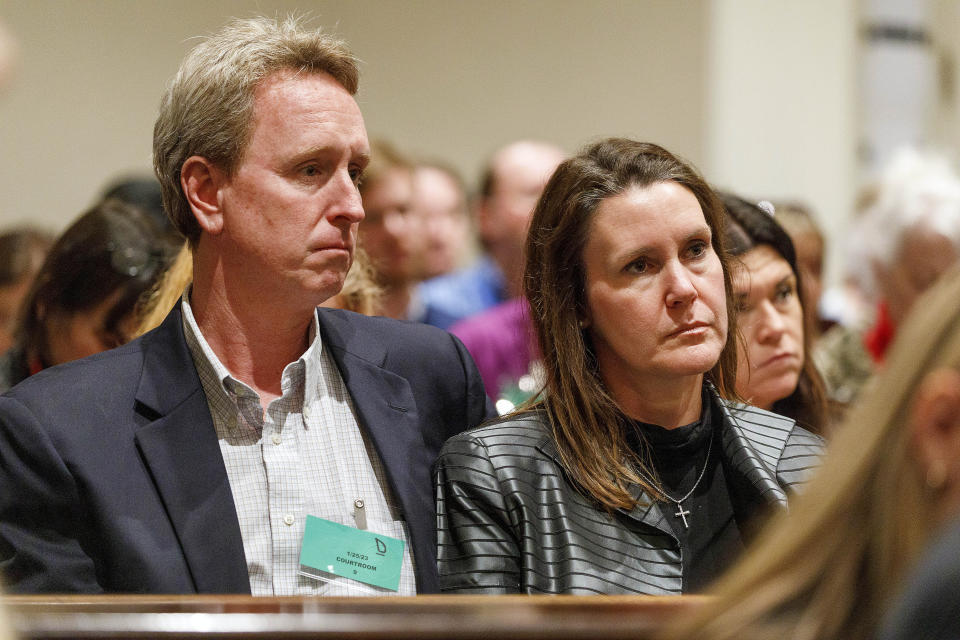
(680, 512)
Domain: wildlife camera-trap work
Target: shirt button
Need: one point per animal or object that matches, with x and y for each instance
(276, 438)
(288, 519)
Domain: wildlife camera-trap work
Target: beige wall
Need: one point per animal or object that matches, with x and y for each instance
(782, 101)
(760, 94)
(446, 78)
(945, 25)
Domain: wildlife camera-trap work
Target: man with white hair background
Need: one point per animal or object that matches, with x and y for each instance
(509, 190)
(907, 234)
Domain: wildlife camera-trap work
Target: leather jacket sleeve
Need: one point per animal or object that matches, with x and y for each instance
(477, 551)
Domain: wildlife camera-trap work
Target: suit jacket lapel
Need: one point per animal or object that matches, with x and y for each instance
(387, 410)
(180, 448)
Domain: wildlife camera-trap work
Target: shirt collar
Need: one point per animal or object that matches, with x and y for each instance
(211, 368)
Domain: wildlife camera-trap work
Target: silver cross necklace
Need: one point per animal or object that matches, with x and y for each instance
(681, 512)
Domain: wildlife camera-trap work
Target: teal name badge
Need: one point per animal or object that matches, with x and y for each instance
(339, 550)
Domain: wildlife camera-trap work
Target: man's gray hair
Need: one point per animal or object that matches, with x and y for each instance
(208, 108)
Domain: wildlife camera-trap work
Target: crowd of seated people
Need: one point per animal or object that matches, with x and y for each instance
(508, 191)
(312, 353)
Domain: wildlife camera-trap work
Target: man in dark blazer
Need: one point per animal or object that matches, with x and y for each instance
(115, 474)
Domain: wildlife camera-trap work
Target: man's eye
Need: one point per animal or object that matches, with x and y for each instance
(310, 170)
(356, 175)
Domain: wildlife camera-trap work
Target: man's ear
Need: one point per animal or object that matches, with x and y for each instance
(201, 181)
(935, 428)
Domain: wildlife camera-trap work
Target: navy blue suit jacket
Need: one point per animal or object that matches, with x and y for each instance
(111, 477)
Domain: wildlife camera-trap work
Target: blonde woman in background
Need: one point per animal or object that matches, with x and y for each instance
(833, 565)
(155, 306)
(360, 293)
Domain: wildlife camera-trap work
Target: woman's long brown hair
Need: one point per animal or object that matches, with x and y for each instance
(587, 424)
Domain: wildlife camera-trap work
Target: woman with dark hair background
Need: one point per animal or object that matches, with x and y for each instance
(775, 370)
(83, 297)
(635, 471)
(21, 255)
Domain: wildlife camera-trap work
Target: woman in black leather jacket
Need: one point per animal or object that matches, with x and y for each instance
(635, 471)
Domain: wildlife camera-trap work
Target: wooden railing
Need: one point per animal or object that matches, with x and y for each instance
(431, 617)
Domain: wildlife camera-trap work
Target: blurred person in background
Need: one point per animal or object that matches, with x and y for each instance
(636, 470)
(834, 565)
(927, 607)
(511, 184)
(439, 197)
(7, 54)
(360, 292)
(392, 234)
(502, 344)
(496, 328)
(906, 235)
(83, 298)
(144, 193)
(775, 370)
(154, 306)
(809, 243)
(21, 254)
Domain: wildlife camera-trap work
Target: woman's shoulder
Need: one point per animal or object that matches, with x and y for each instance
(766, 426)
(757, 416)
(517, 433)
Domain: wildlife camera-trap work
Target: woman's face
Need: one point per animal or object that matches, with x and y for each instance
(770, 318)
(392, 232)
(11, 297)
(656, 307)
(78, 335)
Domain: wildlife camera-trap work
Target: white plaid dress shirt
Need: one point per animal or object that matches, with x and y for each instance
(305, 455)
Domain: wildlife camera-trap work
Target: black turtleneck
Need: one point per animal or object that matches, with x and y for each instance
(712, 540)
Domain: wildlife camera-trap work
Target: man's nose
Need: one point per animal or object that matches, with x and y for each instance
(348, 204)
